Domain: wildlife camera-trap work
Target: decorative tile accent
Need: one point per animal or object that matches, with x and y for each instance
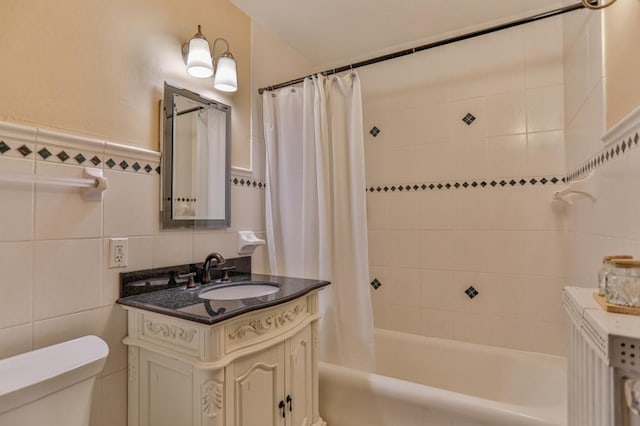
(148, 168)
(136, 166)
(95, 160)
(374, 131)
(468, 119)
(44, 153)
(513, 182)
(4, 147)
(63, 156)
(471, 292)
(376, 284)
(24, 150)
(247, 182)
(124, 165)
(80, 158)
(608, 153)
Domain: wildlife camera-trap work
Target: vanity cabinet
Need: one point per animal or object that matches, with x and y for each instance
(273, 386)
(256, 369)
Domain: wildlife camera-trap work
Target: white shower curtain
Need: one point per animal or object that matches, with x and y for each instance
(316, 206)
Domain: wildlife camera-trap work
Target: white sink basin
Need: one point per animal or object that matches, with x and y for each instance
(240, 291)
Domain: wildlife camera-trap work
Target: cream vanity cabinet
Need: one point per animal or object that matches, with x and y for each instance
(256, 369)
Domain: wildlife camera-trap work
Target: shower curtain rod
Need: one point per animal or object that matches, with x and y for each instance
(405, 52)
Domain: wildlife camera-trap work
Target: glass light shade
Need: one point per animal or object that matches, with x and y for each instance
(226, 78)
(199, 58)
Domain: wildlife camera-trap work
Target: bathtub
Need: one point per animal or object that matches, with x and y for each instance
(426, 381)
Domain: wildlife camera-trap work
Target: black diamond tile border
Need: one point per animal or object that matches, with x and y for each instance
(24, 150)
(609, 153)
(80, 158)
(44, 153)
(374, 131)
(95, 160)
(376, 284)
(247, 182)
(471, 292)
(63, 156)
(440, 186)
(469, 119)
(4, 147)
(110, 163)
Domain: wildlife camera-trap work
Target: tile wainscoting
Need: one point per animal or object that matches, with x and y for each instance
(54, 245)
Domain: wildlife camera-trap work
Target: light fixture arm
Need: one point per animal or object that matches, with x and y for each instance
(226, 52)
(595, 6)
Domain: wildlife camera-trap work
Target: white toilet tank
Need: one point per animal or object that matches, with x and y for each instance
(51, 386)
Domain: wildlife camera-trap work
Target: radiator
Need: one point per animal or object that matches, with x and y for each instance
(603, 370)
(590, 383)
(589, 374)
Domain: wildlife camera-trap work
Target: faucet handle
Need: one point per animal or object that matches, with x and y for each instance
(191, 283)
(225, 273)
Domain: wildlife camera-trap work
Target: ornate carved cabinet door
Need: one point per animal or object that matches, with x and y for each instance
(298, 379)
(258, 388)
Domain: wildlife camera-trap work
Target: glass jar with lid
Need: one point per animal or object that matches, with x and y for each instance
(623, 283)
(606, 268)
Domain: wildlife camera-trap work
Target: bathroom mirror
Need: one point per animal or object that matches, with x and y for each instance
(195, 160)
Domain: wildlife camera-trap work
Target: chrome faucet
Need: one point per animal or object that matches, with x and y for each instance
(206, 276)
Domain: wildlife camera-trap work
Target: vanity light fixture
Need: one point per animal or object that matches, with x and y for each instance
(202, 64)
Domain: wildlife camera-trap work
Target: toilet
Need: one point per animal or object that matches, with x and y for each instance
(52, 386)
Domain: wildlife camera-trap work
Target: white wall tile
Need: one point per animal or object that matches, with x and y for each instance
(511, 333)
(437, 289)
(404, 211)
(436, 323)
(506, 156)
(15, 340)
(17, 210)
(545, 109)
(436, 209)
(377, 210)
(247, 209)
(60, 212)
(403, 286)
(470, 249)
(129, 204)
(16, 286)
(172, 248)
(506, 113)
(549, 338)
(225, 243)
(404, 248)
(379, 248)
(544, 52)
(437, 250)
(60, 329)
(545, 154)
(399, 318)
(473, 328)
(67, 277)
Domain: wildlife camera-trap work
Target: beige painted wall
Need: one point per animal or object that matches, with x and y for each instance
(621, 36)
(97, 67)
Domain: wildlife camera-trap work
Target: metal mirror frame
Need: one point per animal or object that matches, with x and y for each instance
(166, 168)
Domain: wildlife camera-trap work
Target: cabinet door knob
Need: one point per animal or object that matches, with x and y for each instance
(289, 401)
(281, 405)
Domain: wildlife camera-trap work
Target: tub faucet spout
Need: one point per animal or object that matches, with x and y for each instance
(206, 276)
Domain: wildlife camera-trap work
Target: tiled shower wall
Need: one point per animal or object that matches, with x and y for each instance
(610, 224)
(460, 180)
(56, 284)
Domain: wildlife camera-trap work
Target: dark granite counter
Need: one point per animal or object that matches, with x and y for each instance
(181, 302)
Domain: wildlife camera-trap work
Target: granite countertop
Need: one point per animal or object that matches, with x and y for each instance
(184, 303)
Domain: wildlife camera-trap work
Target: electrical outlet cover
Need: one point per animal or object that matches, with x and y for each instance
(118, 252)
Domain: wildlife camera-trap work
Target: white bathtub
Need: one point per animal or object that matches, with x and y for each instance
(425, 381)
